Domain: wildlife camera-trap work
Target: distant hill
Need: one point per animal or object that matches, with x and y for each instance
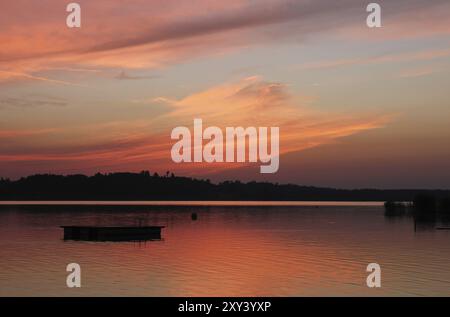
(145, 186)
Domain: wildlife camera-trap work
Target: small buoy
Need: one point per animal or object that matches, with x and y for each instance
(194, 216)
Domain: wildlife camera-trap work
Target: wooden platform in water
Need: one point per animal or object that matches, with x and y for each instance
(91, 233)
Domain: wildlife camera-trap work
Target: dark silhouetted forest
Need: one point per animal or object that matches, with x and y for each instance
(147, 186)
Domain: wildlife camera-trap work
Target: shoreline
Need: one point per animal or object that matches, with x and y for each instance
(192, 203)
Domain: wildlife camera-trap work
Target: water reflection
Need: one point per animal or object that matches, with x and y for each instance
(226, 251)
(425, 214)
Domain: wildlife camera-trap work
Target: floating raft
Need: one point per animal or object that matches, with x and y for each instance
(112, 233)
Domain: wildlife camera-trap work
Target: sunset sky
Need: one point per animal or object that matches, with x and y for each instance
(356, 106)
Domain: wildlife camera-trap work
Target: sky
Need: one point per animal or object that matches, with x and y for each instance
(357, 107)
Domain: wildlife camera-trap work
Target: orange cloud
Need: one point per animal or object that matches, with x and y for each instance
(11, 75)
(151, 34)
(248, 102)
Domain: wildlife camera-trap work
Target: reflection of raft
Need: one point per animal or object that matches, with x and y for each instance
(112, 233)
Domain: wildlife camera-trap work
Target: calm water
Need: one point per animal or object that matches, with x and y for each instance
(228, 251)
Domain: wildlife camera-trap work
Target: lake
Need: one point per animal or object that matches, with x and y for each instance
(231, 249)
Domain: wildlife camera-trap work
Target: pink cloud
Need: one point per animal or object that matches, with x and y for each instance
(250, 101)
(151, 34)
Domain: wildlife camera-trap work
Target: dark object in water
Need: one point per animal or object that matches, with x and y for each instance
(443, 228)
(194, 216)
(112, 233)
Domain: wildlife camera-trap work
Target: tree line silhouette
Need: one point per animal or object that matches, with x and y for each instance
(147, 186)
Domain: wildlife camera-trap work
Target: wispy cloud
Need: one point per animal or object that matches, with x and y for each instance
(418, 72)
(32, 100)
(175, 31)
(250, 101)
(12, 75)
(262, 103)
(404, 57)
(25, 133)
(125, 76)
